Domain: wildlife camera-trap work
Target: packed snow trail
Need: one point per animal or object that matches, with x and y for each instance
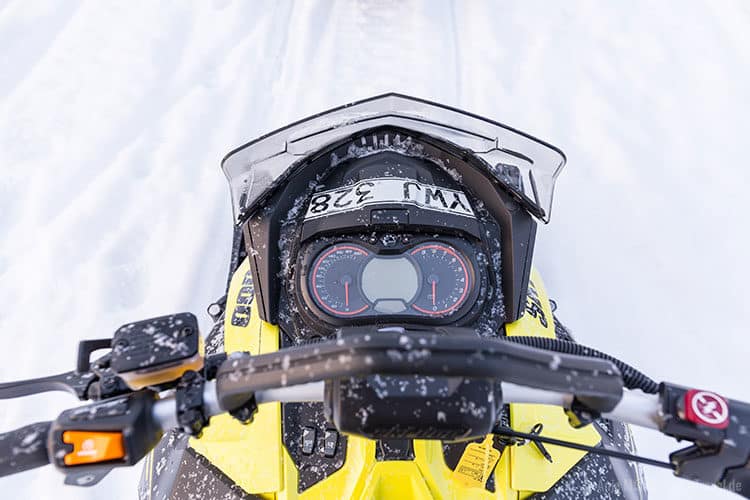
(113, 120)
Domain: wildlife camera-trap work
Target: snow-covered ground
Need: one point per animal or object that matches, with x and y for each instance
(114, 116)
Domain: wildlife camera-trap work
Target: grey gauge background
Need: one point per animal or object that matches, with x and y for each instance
(390, 278)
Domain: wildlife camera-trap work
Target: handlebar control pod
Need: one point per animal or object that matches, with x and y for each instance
(720, 429)
(87, 442)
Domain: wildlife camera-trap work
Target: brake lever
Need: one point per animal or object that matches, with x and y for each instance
(71, 382)
(90, 381)
(77, 382)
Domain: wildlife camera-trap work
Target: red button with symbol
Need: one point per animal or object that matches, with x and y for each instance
(707, 409)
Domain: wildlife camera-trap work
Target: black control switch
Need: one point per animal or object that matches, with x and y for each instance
(330, 443)
(308, 440)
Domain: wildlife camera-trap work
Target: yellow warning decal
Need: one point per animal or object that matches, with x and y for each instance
(477, 463)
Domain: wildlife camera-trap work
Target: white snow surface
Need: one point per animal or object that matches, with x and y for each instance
(114, 117)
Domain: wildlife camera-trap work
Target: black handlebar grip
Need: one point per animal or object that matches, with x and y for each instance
(24, 448)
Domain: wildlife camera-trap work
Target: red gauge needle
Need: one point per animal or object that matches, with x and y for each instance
(346, 292)
(434, 291)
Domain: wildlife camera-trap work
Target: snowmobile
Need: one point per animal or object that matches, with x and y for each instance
(383, 335)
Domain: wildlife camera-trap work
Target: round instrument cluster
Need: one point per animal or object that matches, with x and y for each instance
(432, 279)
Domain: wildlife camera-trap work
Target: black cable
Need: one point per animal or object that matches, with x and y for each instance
(507, 431)
(632, 378)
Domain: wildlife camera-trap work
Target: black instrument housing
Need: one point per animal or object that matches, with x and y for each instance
(269, 244)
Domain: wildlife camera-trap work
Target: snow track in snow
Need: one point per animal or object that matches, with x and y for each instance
(113, 120)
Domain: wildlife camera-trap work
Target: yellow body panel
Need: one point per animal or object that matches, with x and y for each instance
(426, 477)
(255, 458)
(530, 471)
(252, 455)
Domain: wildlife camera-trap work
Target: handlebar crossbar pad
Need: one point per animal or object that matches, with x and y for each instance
(457, 352)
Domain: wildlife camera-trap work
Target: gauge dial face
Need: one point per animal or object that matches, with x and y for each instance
(446, 279)
(432, 279)
(335, 280)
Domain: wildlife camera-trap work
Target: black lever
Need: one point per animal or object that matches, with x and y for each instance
(72, 382)
(77, 382)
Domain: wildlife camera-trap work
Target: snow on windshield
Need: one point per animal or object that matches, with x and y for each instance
(525, 165)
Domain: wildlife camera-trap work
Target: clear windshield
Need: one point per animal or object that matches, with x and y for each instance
(525, 165)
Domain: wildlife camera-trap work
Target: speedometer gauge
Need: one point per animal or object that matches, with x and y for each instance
(350, 281)
(446, 279)
(335, 280)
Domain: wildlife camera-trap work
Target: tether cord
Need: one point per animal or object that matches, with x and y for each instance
(632, 378)
(506, 431)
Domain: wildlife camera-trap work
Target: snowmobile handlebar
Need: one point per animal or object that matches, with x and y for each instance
(457, 352)
(87, 442)
(27, 448)
(635, 407)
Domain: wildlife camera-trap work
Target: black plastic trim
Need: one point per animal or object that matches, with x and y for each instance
(262, 228)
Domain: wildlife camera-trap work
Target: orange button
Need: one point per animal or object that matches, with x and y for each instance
(93, 447)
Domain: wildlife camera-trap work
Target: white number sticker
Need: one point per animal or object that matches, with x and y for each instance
(388, 190)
